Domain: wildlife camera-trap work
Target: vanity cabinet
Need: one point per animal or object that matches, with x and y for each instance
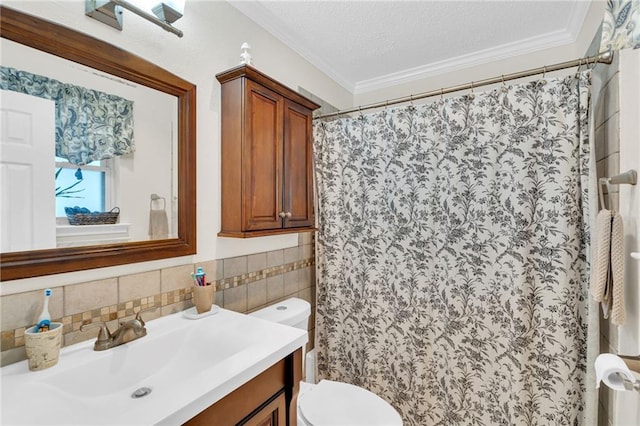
(267, 181)
(269, 399)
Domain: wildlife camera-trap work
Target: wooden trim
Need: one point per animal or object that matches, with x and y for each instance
(263, 233)
(86, 50)
(232, 131)
(292, 385)
(272, 414)
(257, 76)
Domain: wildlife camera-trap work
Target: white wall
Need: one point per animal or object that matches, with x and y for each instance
(625, 406)
(213, 34)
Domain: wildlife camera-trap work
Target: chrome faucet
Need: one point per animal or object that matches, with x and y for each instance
(127, 332)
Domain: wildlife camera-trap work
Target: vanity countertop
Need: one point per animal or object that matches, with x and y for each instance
(188, 365)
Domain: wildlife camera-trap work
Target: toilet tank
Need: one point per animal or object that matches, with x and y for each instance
(293, 312)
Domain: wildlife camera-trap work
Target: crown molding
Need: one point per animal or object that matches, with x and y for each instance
(505, 51)
(265, 19)
(577, 16)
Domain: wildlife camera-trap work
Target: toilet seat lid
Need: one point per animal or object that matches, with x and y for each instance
(335, 403)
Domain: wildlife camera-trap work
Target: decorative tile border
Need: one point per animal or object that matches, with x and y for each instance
(250, 277)
(10, 339)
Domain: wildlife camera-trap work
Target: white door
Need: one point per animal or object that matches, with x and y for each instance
(27, 172)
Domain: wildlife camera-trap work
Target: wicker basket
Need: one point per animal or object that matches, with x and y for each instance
(105, 218)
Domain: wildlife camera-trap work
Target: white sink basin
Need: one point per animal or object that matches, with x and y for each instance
(187, 364)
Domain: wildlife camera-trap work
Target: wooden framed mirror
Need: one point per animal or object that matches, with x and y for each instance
(82, 49)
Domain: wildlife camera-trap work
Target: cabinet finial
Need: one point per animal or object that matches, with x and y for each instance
(245, 56)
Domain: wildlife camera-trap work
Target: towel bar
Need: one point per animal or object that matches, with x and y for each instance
(630, 177)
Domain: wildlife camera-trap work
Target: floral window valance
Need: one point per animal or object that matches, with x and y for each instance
(90, 125)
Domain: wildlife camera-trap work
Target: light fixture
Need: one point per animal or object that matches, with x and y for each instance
(110, 12)
(168, 12)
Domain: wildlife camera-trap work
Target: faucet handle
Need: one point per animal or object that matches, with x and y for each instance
(104, 333)
(139, 317)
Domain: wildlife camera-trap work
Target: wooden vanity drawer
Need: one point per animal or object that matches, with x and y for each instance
(273, 414)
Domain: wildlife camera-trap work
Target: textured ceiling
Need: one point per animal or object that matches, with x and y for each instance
(365, 45)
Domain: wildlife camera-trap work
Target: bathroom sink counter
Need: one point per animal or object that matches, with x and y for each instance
(188, 364)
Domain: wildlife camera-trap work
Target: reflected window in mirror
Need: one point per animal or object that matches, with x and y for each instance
(86, 186)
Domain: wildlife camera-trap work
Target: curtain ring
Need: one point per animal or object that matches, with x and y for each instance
(504, 85)
(544, 75)
(579, 66)
(472, 95)
(411, 99)
(441, 94)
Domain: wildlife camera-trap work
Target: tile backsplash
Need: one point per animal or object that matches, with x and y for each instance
(243, 284)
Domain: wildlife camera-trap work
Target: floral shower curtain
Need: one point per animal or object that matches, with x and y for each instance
(452, 255)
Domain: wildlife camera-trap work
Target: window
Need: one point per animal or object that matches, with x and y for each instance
(84, 186)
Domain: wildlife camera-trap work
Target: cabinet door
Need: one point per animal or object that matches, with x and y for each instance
(262, 151)
(298, 179)
(274, 414)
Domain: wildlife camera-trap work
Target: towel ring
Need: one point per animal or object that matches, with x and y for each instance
(156, 197)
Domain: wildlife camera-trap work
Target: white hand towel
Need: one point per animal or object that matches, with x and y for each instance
(617, 270)
(602, 258)
(158, 224)
(608, 263)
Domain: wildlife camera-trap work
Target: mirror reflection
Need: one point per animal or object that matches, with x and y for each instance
(80, 150)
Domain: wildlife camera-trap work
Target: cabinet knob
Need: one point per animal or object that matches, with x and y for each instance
(283, 215)
(288, 214)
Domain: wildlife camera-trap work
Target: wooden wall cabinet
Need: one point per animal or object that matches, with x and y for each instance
(267, 181)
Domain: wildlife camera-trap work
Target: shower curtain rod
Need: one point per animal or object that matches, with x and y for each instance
(605, 58)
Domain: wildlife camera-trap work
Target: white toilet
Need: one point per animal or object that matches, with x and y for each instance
(329, 403)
